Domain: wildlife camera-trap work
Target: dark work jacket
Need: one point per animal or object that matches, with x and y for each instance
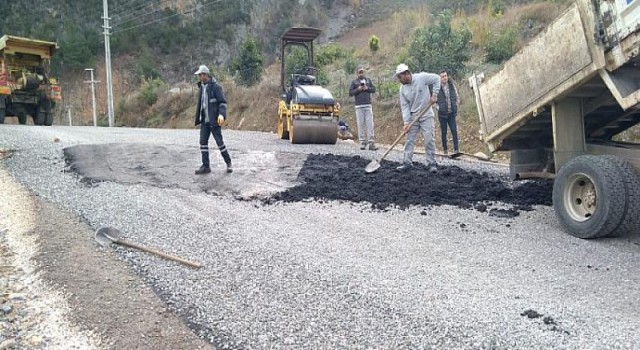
(362, 97)
(442, 101)
(217, 103)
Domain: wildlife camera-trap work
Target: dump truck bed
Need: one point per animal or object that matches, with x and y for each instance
(568, 60)
(11, 45)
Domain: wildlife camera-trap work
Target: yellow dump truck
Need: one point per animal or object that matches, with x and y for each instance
(559, 106)
(25, 85)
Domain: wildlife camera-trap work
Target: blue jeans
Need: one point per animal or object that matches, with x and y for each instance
(449, 120)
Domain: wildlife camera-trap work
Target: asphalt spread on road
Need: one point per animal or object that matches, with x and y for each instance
(335, 177)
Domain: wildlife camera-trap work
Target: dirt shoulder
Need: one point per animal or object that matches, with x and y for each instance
(105, 305)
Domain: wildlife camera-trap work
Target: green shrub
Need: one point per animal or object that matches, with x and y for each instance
(374, 44)
(501, 46)
(147, 64)
(149, 89)
(350, 64)
(248, 65)
(497, 7)
(389, 88)
(440, 47)
(328, 54)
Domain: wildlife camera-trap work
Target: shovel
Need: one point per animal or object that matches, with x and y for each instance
(375, 164)
(107, 235)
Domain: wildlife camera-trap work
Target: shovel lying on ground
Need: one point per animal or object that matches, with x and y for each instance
(375, 164)
(107, 235)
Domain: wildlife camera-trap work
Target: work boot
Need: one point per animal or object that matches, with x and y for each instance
(203, 170)
(404, 168)
(363, 146)
(229, 168)
(433, 168)
(372, 146)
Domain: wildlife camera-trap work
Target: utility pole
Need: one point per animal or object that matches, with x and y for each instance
(93, 95)
(107, 53)
(69, 114)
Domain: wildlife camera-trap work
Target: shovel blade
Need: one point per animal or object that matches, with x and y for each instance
(372, 167)
(107, 235)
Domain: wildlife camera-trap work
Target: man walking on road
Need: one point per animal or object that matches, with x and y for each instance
(211, 112)
(415, 102)
(448, 102)
(362, 88)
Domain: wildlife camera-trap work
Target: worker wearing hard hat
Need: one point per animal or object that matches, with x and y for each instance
(211, 112)
(415, 102)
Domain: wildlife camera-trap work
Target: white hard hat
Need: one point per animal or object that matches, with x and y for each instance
(401, 68)
(202, 69)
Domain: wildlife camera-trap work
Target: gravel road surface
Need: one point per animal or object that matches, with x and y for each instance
(291, 262)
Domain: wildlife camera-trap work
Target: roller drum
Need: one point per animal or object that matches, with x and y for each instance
(314, 131)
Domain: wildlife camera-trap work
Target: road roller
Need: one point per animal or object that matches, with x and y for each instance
(307, 112)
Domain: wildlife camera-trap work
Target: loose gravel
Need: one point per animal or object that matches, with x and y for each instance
(337, 274)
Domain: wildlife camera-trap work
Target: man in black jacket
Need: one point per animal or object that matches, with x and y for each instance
(448, 102)
(362, 88)
(211, 112)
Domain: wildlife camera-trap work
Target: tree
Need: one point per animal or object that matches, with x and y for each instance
(75, 49)
(439, 47)
(501, 46)
(374, 44)
(248, 65)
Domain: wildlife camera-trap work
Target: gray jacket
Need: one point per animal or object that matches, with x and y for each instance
(414, 97)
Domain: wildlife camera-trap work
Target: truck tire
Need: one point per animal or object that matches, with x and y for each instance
(48, 119)
(39, 119)
(631, 220)
(589, 196)
(3, 112)
(22, 118)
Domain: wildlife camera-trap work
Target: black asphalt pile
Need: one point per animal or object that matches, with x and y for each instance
(334, 177)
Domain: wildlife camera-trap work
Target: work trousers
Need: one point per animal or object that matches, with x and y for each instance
(449, 120)
(364, 119)
(206, 129)
(426, 125)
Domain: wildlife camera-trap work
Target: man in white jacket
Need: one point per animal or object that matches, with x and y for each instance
(415, 101)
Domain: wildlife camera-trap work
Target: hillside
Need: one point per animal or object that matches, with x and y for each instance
(153, 65)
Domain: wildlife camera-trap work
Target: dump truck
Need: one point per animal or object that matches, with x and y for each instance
(560, 105)
(307, 112)
(25, 85)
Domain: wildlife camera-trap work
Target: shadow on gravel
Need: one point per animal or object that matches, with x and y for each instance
(333, 177)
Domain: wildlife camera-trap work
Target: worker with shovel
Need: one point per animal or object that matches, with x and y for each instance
(415, 102)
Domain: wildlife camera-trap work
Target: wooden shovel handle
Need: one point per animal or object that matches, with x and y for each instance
(196, 265)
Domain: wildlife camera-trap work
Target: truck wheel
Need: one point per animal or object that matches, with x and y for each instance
(39, 119)
(631, 220)
(22, 118)
(589, 196)
(3, 112)
(48, 119)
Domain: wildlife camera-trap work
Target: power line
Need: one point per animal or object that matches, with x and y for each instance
(132, 16)
(196, 7)
(132, 8)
